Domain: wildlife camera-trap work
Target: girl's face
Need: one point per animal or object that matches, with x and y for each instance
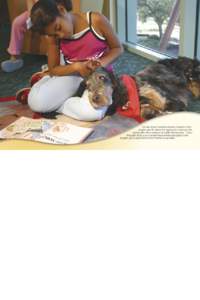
(61, 28)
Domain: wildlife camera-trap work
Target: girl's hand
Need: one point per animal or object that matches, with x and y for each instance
(82, 69)
(86, 68)
(93, 64)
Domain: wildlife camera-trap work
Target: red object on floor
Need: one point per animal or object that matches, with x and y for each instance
(22, 95)
(132, 110)
(37, 116)
(7, 99)
(36, 77)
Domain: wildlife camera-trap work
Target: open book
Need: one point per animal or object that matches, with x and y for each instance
(47, 131)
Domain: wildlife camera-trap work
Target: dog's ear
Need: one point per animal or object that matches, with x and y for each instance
(119, 96)
(81, 89)
(120, 93)
(111, 109)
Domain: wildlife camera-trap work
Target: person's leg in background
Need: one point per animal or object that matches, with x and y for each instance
(19, 27)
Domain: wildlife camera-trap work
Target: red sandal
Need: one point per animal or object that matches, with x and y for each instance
(37, 76)
(22, 95)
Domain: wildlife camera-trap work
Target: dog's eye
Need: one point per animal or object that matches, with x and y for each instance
(103, 78)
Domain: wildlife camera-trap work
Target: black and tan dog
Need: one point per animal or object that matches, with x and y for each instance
(163, 87)
(104, 89)
(168, 86)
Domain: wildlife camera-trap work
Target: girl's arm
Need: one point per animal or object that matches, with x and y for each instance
(55, 69)
(30, 3)
(103, 26)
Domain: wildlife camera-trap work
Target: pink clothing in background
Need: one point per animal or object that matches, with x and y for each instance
(18, 30)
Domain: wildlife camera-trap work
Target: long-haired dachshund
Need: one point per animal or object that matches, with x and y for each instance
(104, 89)
(166, 86)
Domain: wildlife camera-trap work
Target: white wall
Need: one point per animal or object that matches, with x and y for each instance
(198, 37)
(91, 5)
(188, 28)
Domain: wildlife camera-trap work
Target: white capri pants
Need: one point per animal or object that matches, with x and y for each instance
(55, 94)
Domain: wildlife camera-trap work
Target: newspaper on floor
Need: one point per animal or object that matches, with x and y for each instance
(46, 131)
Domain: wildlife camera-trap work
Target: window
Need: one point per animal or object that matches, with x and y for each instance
(158, 25)
(156, 29)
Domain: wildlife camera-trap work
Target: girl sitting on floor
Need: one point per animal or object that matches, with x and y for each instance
(87, 41)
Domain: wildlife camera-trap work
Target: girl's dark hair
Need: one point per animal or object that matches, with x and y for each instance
(45, 12)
